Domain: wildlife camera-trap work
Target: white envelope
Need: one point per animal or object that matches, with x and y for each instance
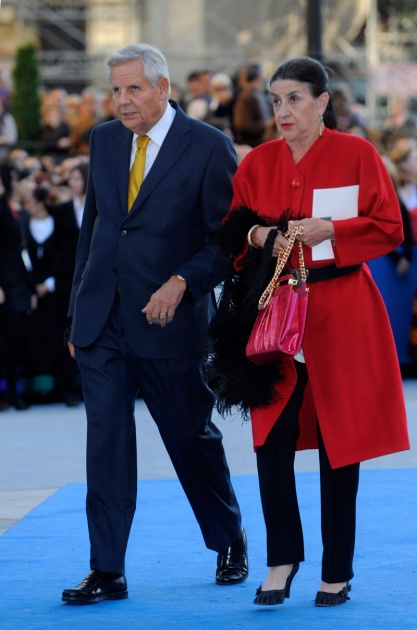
(333, 204)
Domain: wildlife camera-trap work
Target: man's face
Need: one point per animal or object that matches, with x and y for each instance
(138, 104)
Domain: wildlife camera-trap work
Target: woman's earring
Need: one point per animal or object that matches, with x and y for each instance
(321, 126)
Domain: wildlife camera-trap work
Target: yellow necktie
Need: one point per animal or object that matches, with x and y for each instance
(137, 170)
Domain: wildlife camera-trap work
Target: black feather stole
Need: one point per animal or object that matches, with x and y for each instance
(235, 380)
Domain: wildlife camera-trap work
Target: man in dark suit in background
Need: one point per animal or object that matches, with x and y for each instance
(68, 218)
(141, 303)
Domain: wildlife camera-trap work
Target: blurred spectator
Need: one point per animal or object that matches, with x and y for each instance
(251, 111)
(271, 131)
(198, 84)
(17, 157)
(199, 97)
(198, 109)
(177, 95)
(400, 123)
(402, 257)
(55, 98)
(5, 86)
(193, 86)
(15, 296)
(347, 120)
(221, 104)
(21, 180)
(404, 156)
(107, 107)
(33, 164)
(68, 219)
(72, 109)
(8, 129)
(88, 117)
(55, 133)
(62, 192)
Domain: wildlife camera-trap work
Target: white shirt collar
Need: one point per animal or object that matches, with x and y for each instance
(159, 131)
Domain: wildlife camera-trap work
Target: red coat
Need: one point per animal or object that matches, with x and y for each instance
(355, 387)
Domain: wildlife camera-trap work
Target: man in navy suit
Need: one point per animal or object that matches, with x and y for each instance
(141, 302)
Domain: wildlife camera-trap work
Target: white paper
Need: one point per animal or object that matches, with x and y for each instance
(333, 204)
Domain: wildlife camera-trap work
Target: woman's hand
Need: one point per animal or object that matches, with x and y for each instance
(315, 231)
(261, 234)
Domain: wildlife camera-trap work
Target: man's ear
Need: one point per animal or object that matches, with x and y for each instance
(163, 85)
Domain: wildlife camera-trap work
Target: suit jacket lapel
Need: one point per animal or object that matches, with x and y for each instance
(122, 154)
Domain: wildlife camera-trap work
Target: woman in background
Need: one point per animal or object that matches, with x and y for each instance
(41, 327)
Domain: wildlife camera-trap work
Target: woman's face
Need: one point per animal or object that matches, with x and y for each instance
(296, 111)
(33, 207)
(76, 183)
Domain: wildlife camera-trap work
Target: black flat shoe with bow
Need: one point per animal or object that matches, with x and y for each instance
(333, 599)
(232, 564)
(96, 587)
(274, 597)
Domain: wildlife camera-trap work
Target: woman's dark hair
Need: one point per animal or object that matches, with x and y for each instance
(314, 74)
(83, 168)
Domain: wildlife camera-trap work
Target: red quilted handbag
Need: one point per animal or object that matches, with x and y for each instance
(279, 326)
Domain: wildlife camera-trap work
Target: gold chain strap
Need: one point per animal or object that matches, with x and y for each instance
(283, 256)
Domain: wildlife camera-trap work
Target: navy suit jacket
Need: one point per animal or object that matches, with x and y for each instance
(170, 229)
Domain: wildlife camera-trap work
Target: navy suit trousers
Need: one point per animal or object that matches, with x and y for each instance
(180, 403)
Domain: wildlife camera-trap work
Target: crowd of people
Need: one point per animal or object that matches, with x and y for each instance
(42, 196)
(41, 209)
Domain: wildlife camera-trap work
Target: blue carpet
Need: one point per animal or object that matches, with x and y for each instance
(170, 572)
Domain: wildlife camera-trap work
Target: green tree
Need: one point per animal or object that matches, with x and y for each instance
(26, 101)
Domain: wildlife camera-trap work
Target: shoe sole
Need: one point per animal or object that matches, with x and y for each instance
(231, 582)
(95, 600)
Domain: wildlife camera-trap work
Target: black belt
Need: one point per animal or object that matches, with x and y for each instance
(328, 272)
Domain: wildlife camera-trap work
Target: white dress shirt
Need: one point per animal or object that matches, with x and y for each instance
(156, 135)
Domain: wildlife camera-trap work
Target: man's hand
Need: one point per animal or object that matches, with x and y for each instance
(161, 307)
(71, 349)
(41, 290)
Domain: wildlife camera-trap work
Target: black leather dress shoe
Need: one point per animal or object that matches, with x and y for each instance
(96, 587)
(232, 564)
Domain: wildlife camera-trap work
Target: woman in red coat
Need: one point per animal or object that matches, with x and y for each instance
(343, 392)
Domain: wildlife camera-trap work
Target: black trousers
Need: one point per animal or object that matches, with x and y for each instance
(338, 489)
(180, 402)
